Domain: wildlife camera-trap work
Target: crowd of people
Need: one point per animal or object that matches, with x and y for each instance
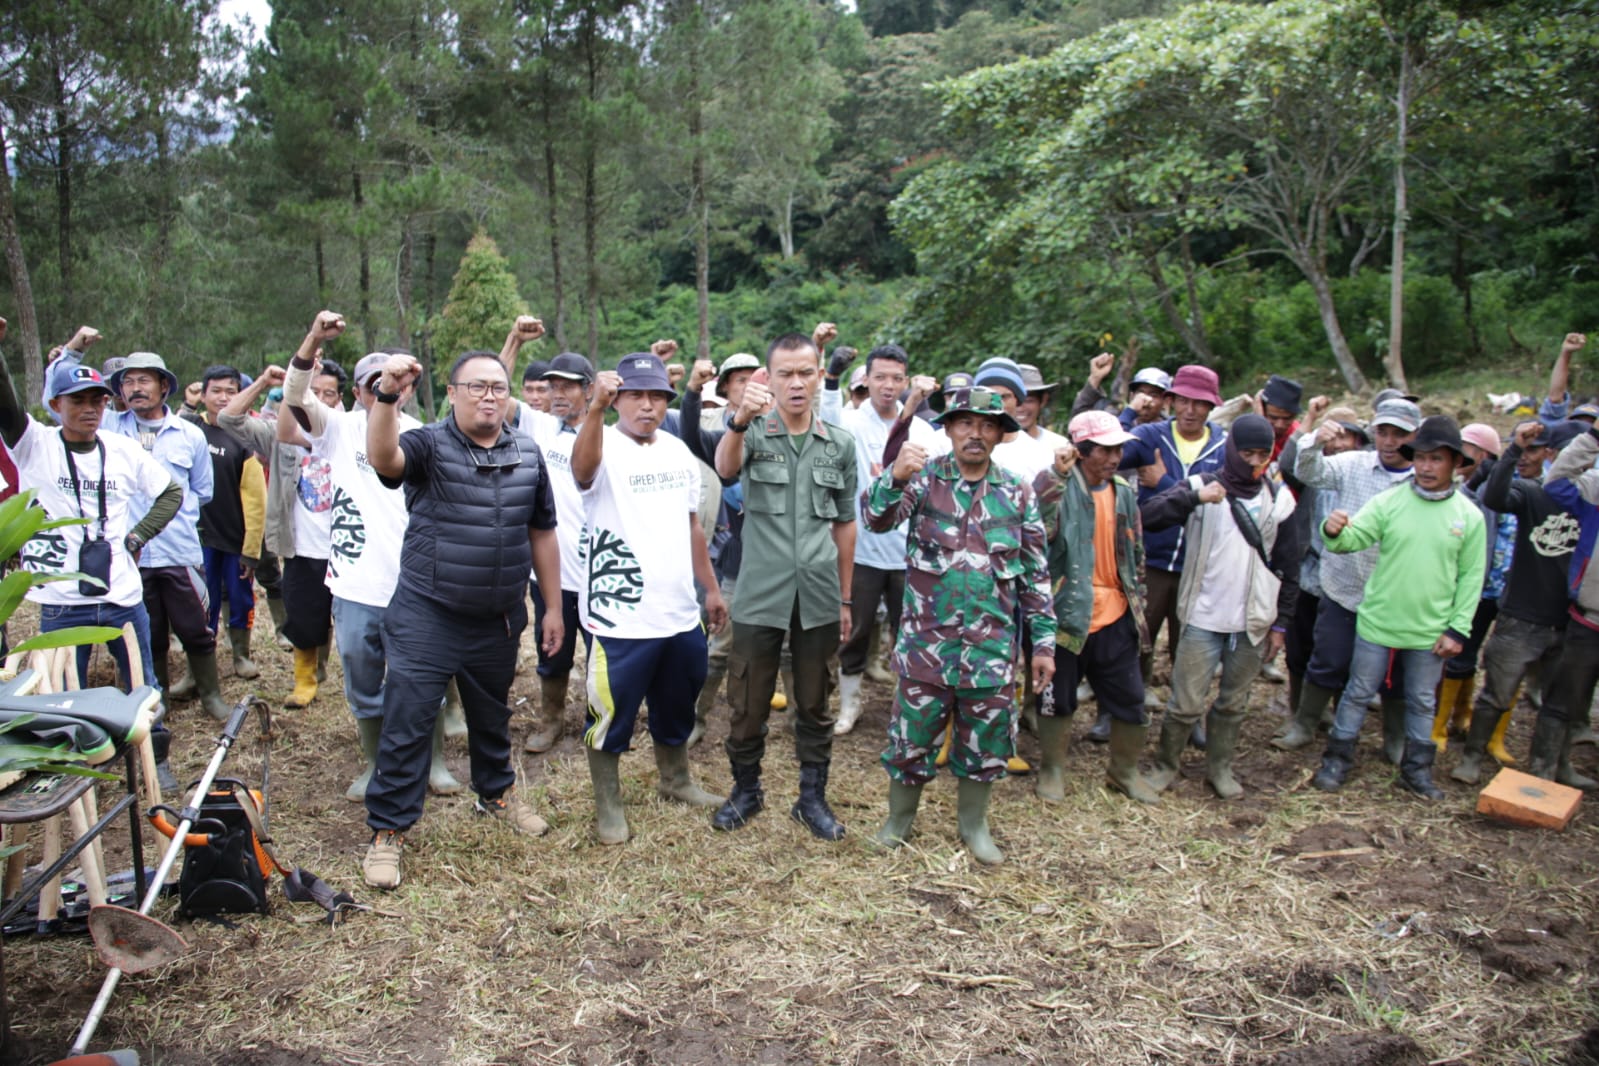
(767, 529)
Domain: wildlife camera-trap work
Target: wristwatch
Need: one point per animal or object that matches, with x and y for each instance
(381, 396)
(735, 426)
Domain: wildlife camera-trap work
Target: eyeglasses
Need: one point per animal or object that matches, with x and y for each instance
(479, 389)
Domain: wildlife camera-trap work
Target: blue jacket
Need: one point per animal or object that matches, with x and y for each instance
(1164, 550)
(1572, 469)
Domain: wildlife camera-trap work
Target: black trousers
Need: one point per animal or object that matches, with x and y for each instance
(752, 678)
(1579, 670)
(175, 600)
(868, 587)
(1109, 663)
(1300, 639)
(307, 602)
(1335, 647)
(427, 646)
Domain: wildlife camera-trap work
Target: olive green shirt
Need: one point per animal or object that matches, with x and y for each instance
(795, 490)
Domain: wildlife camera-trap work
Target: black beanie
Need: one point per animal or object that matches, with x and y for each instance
(1252, 431)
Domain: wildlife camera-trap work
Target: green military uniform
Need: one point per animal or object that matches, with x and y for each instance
(796, 489)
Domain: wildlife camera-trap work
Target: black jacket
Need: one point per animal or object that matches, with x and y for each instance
(467, 546)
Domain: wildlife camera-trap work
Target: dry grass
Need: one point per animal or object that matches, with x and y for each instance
(1195, 932)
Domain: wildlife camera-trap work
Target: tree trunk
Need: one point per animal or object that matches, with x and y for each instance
(402, 283)
(785, 232)
(1461, 278)
(321, 274)
(366, 265)
(1394, 362)
(27, 323)
(697, 202)
(63, 189)
(164, 212)
(1345, 358)
(429, 292)
(1195, 340)
(552, 199)
(591, 205)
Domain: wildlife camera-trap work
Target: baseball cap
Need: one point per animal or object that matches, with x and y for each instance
(959, 379)
(709, 397)
(1197, 383)
(1097, 427)
(67, 378)
(1154, 377)
(570, 366)
(1384, 395)
(1483, 436)
(1586, 410)
(109, 368)
(643, 372)
(857, 378)
(978, 401)
(1400, 413)
(370, 366)
(1559, 434)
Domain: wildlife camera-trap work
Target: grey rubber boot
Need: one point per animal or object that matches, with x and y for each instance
(368, 730)
(1468, 771)
(610, 824)
(703, 708)
(322, 663)
(1169, 752)
(280, 614)
(239, 640)
(440, 781)
(1126, 742)
(208, 685)
(1224, 730)
(676, 782)
(1051, 783)
(550, 721)
(1301, 729)
(903, 800)
(453, 714)
(1393, 729)
(971, 814)
(184, 688)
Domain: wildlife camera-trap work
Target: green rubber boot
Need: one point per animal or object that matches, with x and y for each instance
(902, 803)
(440, 781)
(703, 707)
(1393, 729)
(1224, 730)
(1169, 752)
(368, 730)
(971, 812)
(280, 614)
(676, 783)
(239, 640)
(208, 685)
(322, 663)
(1126, 742)
(1301, 731)
(453, 714)
(1051, 783)
(1468, 771)
(610, 824)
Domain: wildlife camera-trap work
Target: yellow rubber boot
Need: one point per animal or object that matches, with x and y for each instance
(304, 678)
(1461, 721)
(1018, 765)
(942, 758)
(1448, 693)
(779, 699)
(1496, 743)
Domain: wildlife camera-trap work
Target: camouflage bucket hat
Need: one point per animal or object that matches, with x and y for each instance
(976, 400)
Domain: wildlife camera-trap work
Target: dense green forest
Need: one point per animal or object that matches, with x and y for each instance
(1228, 182)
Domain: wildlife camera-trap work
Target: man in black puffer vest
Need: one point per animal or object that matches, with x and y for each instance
(482, 516)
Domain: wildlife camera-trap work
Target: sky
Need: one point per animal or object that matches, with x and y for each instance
(258, 12)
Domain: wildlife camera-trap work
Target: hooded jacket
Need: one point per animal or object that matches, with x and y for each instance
(1164, 550)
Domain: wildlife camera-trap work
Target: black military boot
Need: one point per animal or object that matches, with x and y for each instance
(1415, 769)
(744, 802)
(1336, 762)
(811, 810)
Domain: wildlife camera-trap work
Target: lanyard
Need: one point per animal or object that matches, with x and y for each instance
(72, 469)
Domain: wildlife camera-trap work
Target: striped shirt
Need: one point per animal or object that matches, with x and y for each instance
(1350, 480)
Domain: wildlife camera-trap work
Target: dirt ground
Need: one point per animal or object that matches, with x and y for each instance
(1289, 927)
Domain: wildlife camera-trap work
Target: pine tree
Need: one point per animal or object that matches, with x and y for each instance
(482, 305)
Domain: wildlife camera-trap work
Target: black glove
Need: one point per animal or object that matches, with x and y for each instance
(843, 356)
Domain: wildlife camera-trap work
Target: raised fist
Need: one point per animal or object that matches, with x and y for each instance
(840, 360)
(1141, 402)
(1526, 433)
(271, 376)
(664, 350)
(1316, 408)
(1574, 342)
(922, 386)
(1213, 492)
(1099, 368)
(1152, 475)
(1335, 524)
(607, 383)
(1065, 459)
(757, 397)
(1328, 432)
(528, 328)
(824, 334)
(909, 462)
(674, 373)
(327, 325)
(398, 372)
(704, 370)
(85, 336)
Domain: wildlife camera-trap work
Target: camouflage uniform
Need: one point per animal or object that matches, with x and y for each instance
(974, 557)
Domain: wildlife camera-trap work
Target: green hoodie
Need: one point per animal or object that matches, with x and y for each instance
(1429, 577)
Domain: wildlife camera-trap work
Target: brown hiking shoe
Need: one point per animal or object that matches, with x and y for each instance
(381, 867)
(510, 809)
